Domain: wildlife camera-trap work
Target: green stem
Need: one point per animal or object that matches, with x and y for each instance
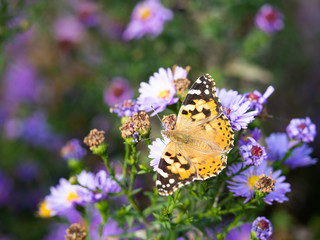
(277, 164)
(126, 160)
(133, 168)
(174, 201)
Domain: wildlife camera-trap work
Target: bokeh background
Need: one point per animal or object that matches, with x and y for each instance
(60, 61)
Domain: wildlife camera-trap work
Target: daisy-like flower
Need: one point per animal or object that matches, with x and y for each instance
(257, 99)
(159, 92)
(118, 91)
(255, 134)
(269, 19)
(156, 149)
(240, 233)
(235, 107)
(148, 17)
(253, 153)
(99, 185)
(73, 150)
(278, 145)
(243, 183)
(302, 129)
(126, 109)
(263, 228)
(64, 196)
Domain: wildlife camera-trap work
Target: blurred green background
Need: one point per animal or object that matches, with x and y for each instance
(52, 89)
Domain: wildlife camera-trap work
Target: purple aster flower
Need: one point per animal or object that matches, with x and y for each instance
(109, 229)
(126, 108)
(302, 129)
(38, 132)
(253, 153)
(73, 150)
(235, 107)
(64, 196)
(156, 149)
(158, 93)
(243, 183)
(118, 91)
(262, 227)
(88, 13)
(255, 134)
(6, 187)
(148, 17)
(278, 145)
(68, 30)
(240, 233)
(269, 19)
(21, 83)
(99, 185)
(257, 99)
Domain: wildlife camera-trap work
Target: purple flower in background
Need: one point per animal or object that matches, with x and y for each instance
(158, 93)
(257, 99)
(269, 19)
(88, 13)
(64, 196)
(13, 128)
(27, 171)
(240, 233)
(6, 187)
(156, 150)
(99, 185)
(38, 132)
(68, 30)
(243, 183)
(255, 134)
(302, 129)
(21, 83)
(253, 153)
(278, 145)
(148, 17)
(118, 91)
(263, 228)
(73, 150)
(57, 231)
(235, 107)
(126, 109)
(110, 229)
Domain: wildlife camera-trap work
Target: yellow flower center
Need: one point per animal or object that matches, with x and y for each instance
(144, 12)
(252, 180)
(72, 196)
(164, 94)
(44, 211)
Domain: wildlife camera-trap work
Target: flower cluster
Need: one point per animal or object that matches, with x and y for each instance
(73, 150)
(90, 188)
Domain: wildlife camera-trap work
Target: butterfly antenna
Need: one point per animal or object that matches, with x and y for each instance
(156, 114)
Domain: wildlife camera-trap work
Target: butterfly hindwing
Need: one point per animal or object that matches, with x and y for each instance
(174, 170)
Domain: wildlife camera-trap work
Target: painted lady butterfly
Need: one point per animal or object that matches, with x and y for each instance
(200, 142)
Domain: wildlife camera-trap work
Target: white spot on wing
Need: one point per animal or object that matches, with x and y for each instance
(162, 173)
(206, 91)
(158, 182)
(198, 81)
(171, 181)
(195, 91)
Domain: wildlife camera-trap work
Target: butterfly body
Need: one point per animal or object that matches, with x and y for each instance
(200, 142)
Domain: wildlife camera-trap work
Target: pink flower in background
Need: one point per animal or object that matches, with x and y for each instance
(148, 17)
(68, 30)
(269, 19)
(118, 91)
(88, 13)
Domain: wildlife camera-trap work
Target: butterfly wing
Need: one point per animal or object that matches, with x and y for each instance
(210, 132)
(174, 170)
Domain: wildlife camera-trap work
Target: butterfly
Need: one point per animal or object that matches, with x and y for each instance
(199, 144)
